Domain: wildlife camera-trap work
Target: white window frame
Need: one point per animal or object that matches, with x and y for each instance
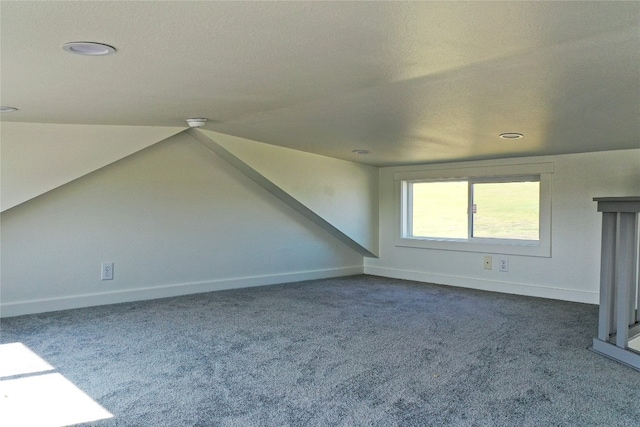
(502, 173)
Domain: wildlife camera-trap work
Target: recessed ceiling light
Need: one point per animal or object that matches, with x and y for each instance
(361, 151)
(89, 48)
(7, 109)
(511, 135)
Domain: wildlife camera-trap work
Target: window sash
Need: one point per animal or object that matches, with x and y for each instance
(409, 204)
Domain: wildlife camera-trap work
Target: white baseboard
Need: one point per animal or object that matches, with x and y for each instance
(103, 298)
(488, 285)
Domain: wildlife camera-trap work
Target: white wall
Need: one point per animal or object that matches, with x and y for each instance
(174, 219)
(572, 272)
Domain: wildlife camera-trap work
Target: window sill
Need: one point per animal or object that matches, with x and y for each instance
(522, 248)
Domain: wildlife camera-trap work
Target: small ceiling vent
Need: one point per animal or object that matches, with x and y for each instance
(196, 123)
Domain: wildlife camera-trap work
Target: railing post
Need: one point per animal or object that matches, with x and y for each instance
(606, 325)
(619, 314)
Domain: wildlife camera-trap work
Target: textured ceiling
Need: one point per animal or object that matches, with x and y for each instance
(412, 82)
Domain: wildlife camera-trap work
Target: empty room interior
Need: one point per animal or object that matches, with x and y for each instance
(319, 213)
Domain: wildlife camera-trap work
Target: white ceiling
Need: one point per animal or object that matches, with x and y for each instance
(412, 82)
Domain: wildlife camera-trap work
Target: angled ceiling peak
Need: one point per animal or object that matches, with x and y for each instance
(38, 157)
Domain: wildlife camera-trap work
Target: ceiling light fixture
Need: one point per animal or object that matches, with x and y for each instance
(196, 123)
(89, 48)
(361, 151)
(511, 135)
(7, 109)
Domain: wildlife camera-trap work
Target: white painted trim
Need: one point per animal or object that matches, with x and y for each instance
(447, 171)
(164, 291)
(487, 285)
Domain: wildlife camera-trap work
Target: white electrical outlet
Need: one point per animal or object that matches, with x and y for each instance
(487, 263)
(106, 272)
(504, 264)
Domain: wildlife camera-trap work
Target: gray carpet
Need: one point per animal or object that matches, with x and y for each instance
(356, 351)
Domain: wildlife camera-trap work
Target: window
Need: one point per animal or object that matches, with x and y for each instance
(478, 210)
(466, 209)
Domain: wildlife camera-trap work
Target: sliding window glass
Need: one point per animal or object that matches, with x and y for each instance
(439, 209)
(506, 210)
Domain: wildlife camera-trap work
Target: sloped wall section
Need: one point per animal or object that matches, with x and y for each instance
(174, 219)
(344, 194)
(38, 157)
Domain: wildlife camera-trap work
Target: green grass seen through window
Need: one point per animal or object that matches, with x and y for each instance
(507, 210)
(440, 209)
(504, 210)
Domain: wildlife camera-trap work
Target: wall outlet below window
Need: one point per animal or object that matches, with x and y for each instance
(106, 271)
(504, 264)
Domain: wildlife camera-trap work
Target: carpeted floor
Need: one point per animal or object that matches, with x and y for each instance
(355, 351)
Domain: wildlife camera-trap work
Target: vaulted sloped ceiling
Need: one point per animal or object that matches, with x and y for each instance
(411, 82)
(37, 157)
(339, 196)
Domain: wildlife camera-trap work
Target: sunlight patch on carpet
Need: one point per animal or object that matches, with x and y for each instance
(33, 394)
